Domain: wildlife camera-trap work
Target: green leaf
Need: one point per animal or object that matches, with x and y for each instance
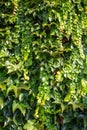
(59, 77)
(4, 53)
(1, 103)
(2, 86)
(17, 105)
(76, 105)
(12, 67)
(29, 125)
(13, 88)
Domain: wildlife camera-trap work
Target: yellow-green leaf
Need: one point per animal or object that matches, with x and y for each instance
(1, 103)
(12, 88)
(22, 107)
(29, 126)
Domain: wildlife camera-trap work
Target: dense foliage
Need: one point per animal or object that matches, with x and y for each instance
(43, 65)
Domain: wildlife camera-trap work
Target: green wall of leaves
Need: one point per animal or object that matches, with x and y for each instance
(43, 65)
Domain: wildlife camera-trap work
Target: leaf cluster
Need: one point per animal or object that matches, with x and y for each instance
(43, 65)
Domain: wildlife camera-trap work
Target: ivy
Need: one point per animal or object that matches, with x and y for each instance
(43, 64)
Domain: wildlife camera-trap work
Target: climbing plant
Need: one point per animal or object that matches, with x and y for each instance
(43, 65)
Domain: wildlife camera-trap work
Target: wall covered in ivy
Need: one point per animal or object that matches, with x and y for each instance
(43, 65)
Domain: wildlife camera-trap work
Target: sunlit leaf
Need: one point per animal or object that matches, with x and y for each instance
(1, 103)
(76, 105)
(12, 88)
(29, 125)
(22, 107)
(2, 86)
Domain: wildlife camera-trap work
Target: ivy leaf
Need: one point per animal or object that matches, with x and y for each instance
(59, 77)
(12, 67)
(12, 88)
(76, 105)
(2, 86)
(29, 125)
(3, 53)
(63, 107)
(1, 103)
(26, 75)
(17, 105)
